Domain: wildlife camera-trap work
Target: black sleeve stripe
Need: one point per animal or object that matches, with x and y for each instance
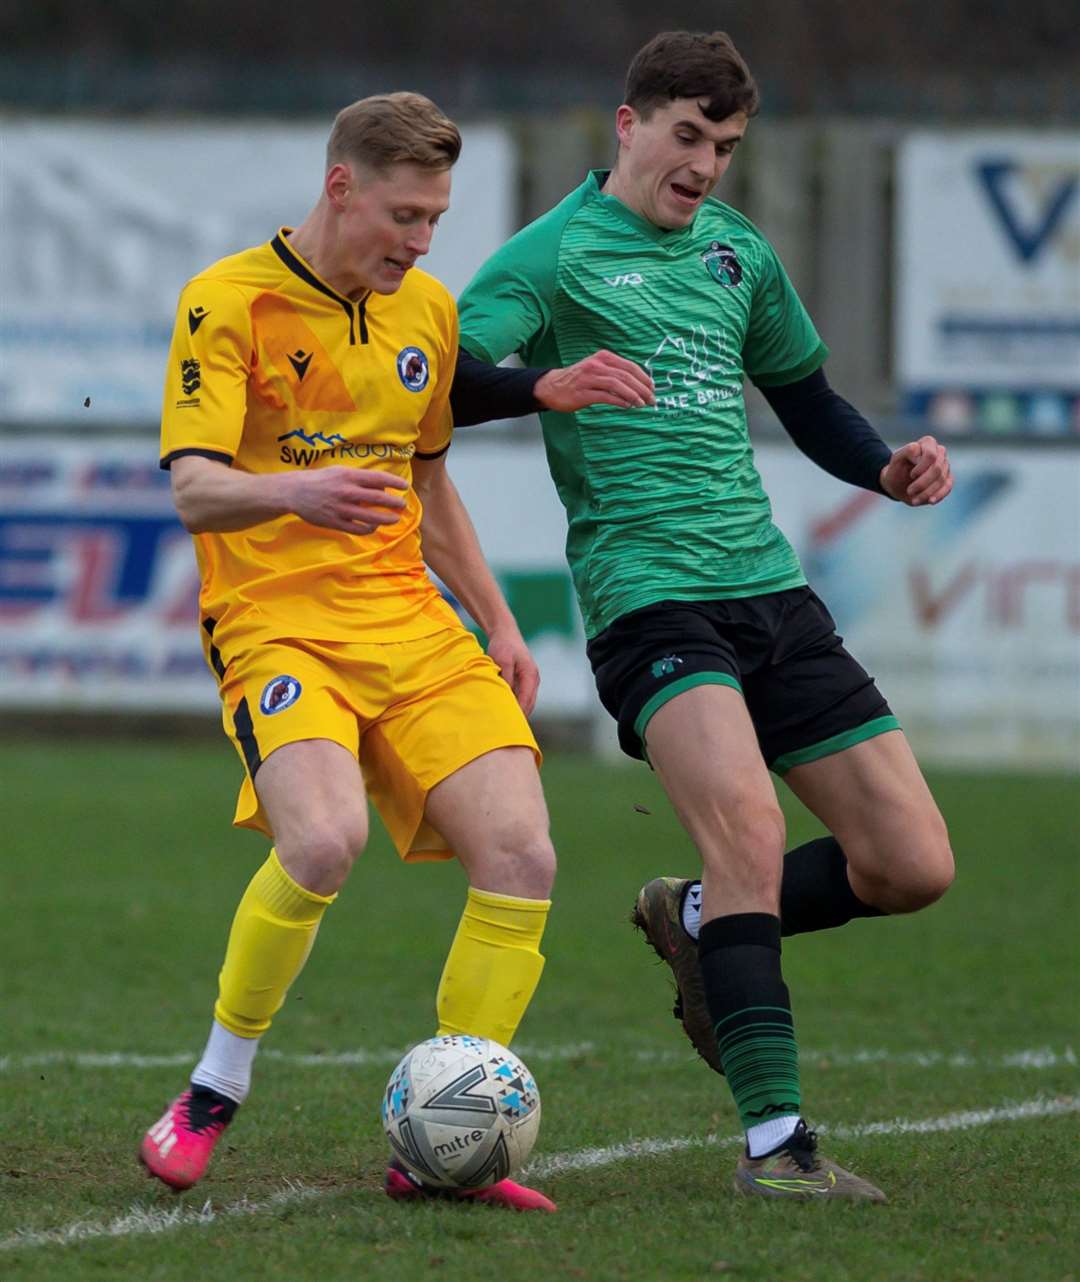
(218, 456)
(437, 454)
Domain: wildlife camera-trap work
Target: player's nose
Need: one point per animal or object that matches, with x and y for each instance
(419, 241)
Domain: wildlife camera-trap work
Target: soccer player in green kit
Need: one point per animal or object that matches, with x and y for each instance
(715, 657)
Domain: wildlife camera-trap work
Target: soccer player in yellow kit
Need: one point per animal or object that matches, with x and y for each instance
(306, 422)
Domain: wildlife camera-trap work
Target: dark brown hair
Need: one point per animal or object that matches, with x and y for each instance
(390, 128)
(691, 64)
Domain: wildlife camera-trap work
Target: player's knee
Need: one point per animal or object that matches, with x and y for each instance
(521, 861)
(321, 858)
(753, 831)
(743, 848)
(915, 876)
(931, 874)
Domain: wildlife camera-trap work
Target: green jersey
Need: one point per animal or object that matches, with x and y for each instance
(665, 502)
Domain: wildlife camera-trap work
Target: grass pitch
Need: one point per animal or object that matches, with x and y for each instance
(955, 1030)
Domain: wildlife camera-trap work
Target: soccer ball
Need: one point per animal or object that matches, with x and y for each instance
(461, 1112)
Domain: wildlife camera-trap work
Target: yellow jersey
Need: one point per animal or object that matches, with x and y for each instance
(270, 370)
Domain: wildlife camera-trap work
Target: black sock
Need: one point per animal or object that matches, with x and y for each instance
(815, 893)
(751, 1011)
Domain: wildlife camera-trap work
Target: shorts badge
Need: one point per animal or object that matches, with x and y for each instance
(278, 694)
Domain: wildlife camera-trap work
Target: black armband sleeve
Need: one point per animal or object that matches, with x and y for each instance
(481, 391)
(830, 431)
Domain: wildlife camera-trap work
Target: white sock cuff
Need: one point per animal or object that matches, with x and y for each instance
(226, 1063)
(691, 909)
(766, 1136)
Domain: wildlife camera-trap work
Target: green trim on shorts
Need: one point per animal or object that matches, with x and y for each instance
(677, 687)
(837, 743)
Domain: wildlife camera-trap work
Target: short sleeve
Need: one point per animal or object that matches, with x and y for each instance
(210, 360)
(507, 305)
(437, 425)
(781, 344)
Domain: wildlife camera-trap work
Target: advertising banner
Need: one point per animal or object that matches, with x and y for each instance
(968, 614)
(987, 280)
(99, 589)
(105, 222)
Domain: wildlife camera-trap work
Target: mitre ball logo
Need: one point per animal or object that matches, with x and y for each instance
(412, 368)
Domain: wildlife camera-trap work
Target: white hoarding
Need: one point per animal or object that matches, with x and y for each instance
(988, 279)
(105, 222)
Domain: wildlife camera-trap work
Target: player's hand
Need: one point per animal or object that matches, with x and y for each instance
(600, 379)
(352, 499)
(918, 473)
(509, 651)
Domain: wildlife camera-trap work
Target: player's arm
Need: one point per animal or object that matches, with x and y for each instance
(482, 391)
(833, 434)
(210, 496)
(507, 307)
(452, 549)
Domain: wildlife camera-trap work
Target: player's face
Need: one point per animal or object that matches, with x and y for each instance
(670, 161)
(387, 221)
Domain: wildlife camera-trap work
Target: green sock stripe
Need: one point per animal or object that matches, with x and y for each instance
(761, 1062)
(741, 1015)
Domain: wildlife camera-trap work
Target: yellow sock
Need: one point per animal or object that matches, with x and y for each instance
(493, 966)
(272, 934)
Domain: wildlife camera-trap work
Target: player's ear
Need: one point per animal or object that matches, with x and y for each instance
(626, 119)
(338, 184)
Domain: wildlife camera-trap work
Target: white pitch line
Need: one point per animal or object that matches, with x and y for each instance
(1034, 1058)
(141, 1219)
(589, 1158)
(151, 1219)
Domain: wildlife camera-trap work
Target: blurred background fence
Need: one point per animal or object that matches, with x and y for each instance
(917, 166)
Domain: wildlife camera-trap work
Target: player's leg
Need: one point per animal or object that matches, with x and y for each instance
(826, 729)
(453, 771)
(703, 746)
(309, 796)
(889, 844)
(492, 813)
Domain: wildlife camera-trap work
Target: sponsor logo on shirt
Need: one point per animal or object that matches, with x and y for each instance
(412, 368)
(302, 448)
(694, 371)
(722, 264)
(195, 317)
(630, 278)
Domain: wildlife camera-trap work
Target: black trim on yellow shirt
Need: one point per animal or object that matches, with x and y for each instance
(299, 268)
(217, 455)
(435, 454)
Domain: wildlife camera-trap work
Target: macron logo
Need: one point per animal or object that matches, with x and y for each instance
(631, 278)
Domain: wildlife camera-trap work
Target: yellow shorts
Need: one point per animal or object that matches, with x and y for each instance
(412, 711)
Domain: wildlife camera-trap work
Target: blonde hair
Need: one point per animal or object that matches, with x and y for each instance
(389, 128)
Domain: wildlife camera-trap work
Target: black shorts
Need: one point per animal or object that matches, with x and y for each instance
(806, 696)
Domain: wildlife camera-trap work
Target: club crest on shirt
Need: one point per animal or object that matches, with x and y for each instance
(412, 368)
(723, 264)
(278, 694)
